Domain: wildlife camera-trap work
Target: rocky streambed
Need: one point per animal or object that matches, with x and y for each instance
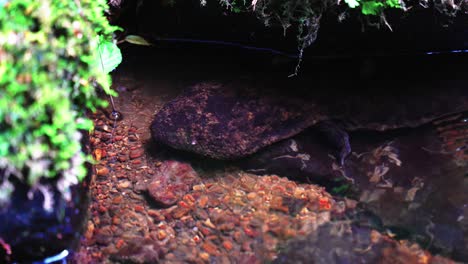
(398, 199)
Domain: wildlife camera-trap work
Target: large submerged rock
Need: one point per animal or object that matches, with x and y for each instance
(231, 121)
(226, 122)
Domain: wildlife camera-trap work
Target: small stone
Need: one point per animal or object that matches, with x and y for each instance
(204, 256)
(103, 127)
(179, 212)
(162, 234)
(227, 245)
(203, 201)
(102, 171)
(117, 200)
(251, 196)
(119, 243)
(102, 209)
(118, 138)
(209, 224)
(210, 248)
(122, 158)
(136, 153)
(115, 220)
(99, 153)
(205, 231)
(250, 232)
(153, 213)
(199, 187)
(136, 162)
(124, 184)
(139, 208)
(196, 239)
(227, 226)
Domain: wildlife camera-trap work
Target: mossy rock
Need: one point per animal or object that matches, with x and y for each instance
(47, 71)
(47, 64)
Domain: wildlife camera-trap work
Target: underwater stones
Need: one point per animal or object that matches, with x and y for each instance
(304, 157)
(232, 217)
(138, 251)
(172, 181)
(341, 242)
(136, 153)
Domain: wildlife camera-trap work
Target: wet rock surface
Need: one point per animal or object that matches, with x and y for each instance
(227, 121)
(307, 157)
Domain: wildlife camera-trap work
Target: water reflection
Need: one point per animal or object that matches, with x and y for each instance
(413, 179)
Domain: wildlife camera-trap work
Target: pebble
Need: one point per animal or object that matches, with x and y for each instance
(118, 138)
(204, 256)
(136, 153)
(119, 243)
(117, 200)
(210, 248)
(102, 171)
(139, 208)
(116, 220)
(102, 209)
(124, 184)
(162, 234)
(99, 154)
(136, 162)
(227, 245)
(122, 158)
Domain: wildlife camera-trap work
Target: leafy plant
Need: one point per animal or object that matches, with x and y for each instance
(48, 51)
(373, 7)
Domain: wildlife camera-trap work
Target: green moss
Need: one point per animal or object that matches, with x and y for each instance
(47, 64)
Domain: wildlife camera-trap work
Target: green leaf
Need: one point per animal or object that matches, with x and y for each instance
(372, 8)
(137, 40)
(393, 3)
(109, 55)
(352, 3)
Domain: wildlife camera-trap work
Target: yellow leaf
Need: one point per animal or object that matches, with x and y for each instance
(137, 40)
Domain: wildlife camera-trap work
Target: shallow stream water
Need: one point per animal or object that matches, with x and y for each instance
(410, 184)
